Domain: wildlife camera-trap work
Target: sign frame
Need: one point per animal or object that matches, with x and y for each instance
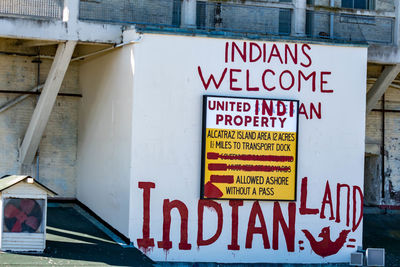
(203, 148)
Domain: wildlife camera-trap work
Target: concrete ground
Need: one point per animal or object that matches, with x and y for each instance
(73, 240)
(382, 230)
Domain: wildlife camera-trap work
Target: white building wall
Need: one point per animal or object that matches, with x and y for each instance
(167, 123)
(104, 145)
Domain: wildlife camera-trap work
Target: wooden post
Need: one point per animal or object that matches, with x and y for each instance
(46, 102)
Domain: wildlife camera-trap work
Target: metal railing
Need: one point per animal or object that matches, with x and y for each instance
(222, 16)
(44, 9)
(211, 16)
(350, 27)
(219, 17)
(145, 12)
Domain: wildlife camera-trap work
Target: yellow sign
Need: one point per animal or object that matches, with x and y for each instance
(249, 148)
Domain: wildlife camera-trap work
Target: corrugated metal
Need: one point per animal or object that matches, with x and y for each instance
(14, 183)
(23, 242)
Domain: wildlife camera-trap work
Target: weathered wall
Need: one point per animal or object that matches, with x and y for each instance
(352, 28)
(384, 5)
(373, 163)
(57, 151)
(232, 17)
(104, 147)
(372, 180)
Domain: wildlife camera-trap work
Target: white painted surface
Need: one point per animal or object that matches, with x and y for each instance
(167, 115)
(104, 142)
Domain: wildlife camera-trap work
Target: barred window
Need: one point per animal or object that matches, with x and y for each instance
(359, 4)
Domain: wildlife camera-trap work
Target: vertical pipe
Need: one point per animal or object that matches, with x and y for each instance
(383, 147)
(299, 18)
(37, 99)
(331, 4)
(396, 27)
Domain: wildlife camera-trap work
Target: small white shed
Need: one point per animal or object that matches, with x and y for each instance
(23, 203)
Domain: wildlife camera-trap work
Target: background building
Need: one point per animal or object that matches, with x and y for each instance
(55, 44)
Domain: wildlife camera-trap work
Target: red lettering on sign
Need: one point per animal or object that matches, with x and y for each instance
(315, 111)
(306, 55)
(248, 83)
(233, 80)
(242, 53)
(281, 108)
(291, 113)
(267, 107)
(306, 78)
(252, 229)
(146, 242)
(292, 55)
(235, 204)
(338, 187)
(200, 211)
(281, 79)
(327, 199)
(226, 51)
(264, 82)
(211, 78)
(324, 82)
(355, 190)
(281, 220)
(287, 228)
(252, 46)
(302, 110)
(303, 199)
(166, 243)
(275, 53)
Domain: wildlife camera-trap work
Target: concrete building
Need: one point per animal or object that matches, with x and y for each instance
(67, 107)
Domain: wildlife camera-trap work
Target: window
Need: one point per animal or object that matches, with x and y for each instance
(201, 15)
(284, 21)
(309, 23)
(176, 13)
(359, 4)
